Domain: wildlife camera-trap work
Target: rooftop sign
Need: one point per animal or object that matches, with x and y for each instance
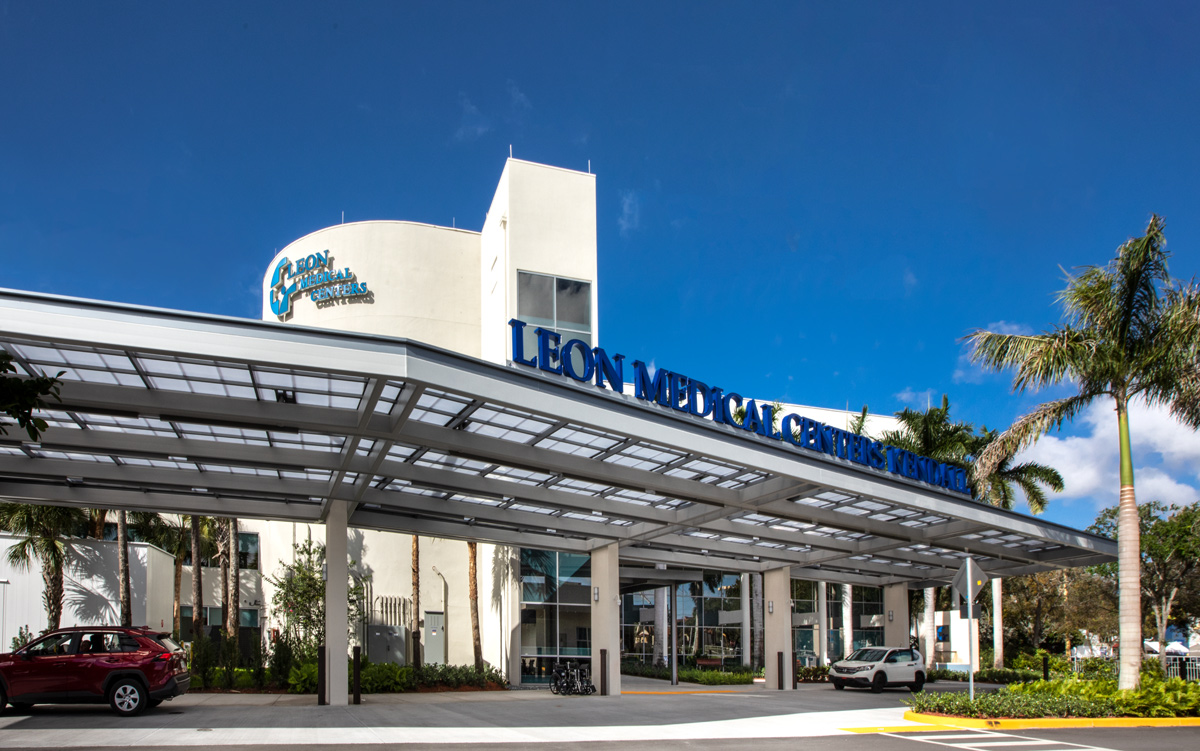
(313, 276)
(577, 360)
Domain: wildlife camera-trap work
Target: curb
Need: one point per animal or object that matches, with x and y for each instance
(1054, 722)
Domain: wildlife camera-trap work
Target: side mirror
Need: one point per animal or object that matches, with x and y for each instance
(24, 655)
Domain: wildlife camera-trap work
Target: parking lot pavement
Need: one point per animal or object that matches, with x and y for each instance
(738, 713)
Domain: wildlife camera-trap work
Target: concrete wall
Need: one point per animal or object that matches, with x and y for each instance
(423, 282)
(90, 588)
(542, 219)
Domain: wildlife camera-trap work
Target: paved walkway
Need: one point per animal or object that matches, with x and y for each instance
(499, 717)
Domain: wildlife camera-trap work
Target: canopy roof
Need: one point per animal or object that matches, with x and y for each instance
(189, 413)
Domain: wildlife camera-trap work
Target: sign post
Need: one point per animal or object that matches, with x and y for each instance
(968, 583)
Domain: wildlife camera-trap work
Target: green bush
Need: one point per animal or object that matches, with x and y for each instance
(1006, 675)
(1096, 667)
(281, 662)
(715, 677)
(813, 673)
(1170, 697)
(258, 666)
(303, 678)
(1058, 665)
(944, 674)
(204, 660)
(1005, 703)
(387, 678)
(229, 662)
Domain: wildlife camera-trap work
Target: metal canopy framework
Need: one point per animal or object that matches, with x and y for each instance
(189, 413)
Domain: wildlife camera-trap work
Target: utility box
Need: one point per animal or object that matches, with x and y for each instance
(387, 644)
(435, 638)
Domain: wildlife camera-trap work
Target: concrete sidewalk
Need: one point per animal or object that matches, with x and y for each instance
(499, 717)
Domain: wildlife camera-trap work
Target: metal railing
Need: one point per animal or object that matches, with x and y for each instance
(1178, 666)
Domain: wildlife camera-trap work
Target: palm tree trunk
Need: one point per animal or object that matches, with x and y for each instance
(758, 649)
(177, 619)
(98, 517)
(232, 617)
(123, 568)
(223, 548)
(52, 594)
(998, 623)
(1129, 562)
(197, 582)
(930, 627)
(474, 595)
(416, 600)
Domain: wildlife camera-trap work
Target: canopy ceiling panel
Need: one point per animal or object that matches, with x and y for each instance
(190, 413)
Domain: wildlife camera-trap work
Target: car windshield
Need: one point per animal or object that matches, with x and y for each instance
(867, 655)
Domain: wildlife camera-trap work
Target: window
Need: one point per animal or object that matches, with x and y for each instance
(865, 603)
(248, 550)
(52, 646)
(561, 305)
(804, 624)
(556, 615)
(248, 618)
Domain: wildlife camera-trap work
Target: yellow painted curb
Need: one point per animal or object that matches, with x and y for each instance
(1055, 722)
(902, 729)
(668, 693)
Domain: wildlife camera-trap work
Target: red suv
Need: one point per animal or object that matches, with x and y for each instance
(130, 668)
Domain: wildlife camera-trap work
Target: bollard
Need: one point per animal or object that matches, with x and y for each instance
(780, 681)
(1045, 667)
(357, 674)
(604, 672)
(321, 675)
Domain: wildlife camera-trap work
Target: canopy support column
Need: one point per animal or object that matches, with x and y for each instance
(822, 624)
(777, 627)
(895, 614)
(337, 624)
(606, 615)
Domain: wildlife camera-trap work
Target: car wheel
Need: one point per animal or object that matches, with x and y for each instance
(838, 685)
(3, 698)
(878, 683)
(918, 685)
(127, 697)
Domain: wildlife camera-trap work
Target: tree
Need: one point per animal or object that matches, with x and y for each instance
(123, 569)
(1170, 542)
(175, 538)
(1130, 332)
(197, 583)
(932, 434)
(473, 587)
(1034, 607)
(21, 397)
(41, 533)
(299, 599)
(233, 607)
(416, 600)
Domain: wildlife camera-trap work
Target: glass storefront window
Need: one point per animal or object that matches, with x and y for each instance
(556, 614)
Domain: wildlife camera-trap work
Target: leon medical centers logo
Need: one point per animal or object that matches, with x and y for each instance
(313, 277)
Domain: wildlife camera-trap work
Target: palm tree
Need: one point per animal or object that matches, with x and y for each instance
(1131, 331)
(123, 568)
(416, 600)
(41, 531)
(197, 584)
(174, 537)
(932, 434)
(999, 489)
(473, 594)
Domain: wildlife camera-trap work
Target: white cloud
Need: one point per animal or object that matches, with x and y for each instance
(472, 124)
(1166, 456)
(630, 217)
(1006, 327)
(910, 281)
(517, 101)
(918, 399)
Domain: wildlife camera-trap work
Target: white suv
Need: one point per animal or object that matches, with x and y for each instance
(878, 667)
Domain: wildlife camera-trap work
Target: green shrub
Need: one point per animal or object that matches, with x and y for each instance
(1096, 667)
(944, 674)
(229, 661)
(715, 677)
(282, 660)
(813, 673)
(204, 661)
(303, 678)
(258, 666)
(1005, 703)
(387, 678)
(1058, 665)
(1006, 675)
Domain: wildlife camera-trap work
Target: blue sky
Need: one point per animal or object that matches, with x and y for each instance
(805, 201)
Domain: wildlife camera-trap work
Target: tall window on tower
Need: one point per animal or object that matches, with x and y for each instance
(552, 302)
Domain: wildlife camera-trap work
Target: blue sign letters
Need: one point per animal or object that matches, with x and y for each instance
(690, 396)
(314, 276)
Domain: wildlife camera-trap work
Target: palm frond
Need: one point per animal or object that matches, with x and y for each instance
(1039, 359)
(1027, 430)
